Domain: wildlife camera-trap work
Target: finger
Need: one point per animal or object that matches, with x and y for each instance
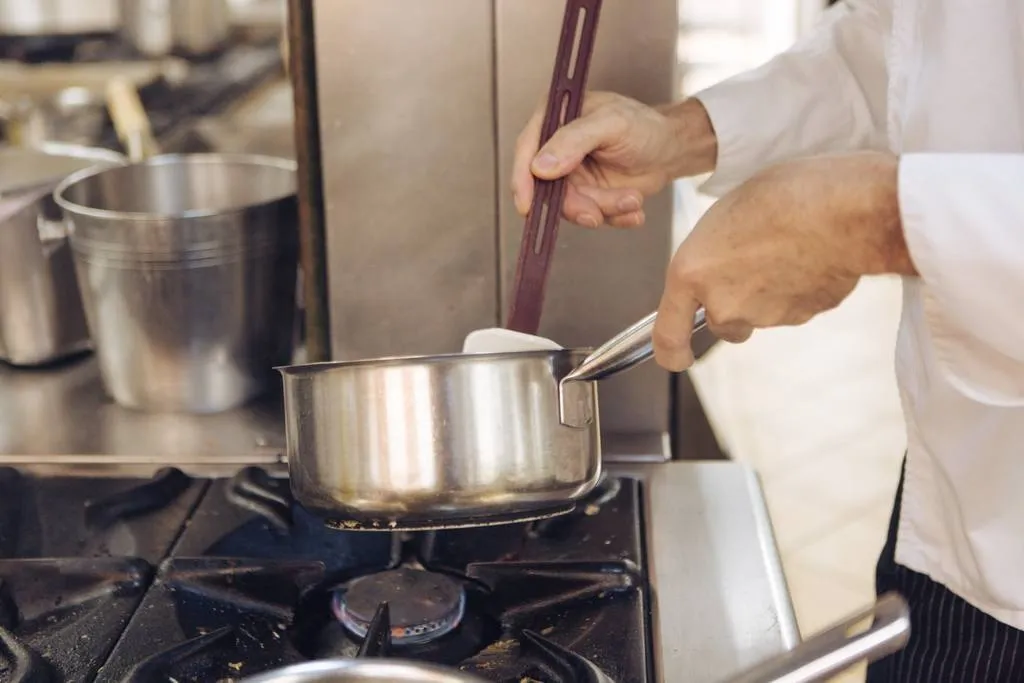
(522, 176)
(581, 209)
(630, 220)
(673, 330)
(571, 143)
(733, 333)
(614, 202)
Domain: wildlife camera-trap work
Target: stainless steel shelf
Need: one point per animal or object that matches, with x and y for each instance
(62, 411)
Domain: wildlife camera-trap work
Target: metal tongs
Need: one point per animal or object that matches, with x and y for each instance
(626, 350)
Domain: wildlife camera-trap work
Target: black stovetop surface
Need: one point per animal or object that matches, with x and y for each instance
(177, 579)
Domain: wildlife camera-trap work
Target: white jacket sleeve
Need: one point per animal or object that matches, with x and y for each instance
(963, 217)
(825, 94)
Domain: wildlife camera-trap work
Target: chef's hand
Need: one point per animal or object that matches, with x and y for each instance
(617, 153)
(790, 243)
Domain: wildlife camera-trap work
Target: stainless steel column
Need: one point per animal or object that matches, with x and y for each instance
(419, 106)
(406, 95)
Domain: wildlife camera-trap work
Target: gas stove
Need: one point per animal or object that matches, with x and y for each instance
(184, 579)
(175, 93)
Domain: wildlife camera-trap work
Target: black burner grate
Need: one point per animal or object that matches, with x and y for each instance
(44, 517)
(515, 592)
(555, 602)
(246, 580)
(60, 618)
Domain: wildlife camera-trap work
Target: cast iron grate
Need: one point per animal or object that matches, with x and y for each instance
(83, 517)
(249, 589)
(60, 618)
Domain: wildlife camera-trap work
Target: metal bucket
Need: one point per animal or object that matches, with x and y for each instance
(41, 318)
(441, 441)
(187, 267)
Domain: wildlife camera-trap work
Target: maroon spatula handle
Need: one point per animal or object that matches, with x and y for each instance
(565, 101)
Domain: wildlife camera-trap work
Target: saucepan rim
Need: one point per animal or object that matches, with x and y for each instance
(432, 359)
(265, 160)
(369, 667)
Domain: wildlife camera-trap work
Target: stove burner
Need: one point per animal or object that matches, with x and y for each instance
(423, 605)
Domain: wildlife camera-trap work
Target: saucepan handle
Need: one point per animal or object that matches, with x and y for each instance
(829, 653)
(52, 232)
(626, 350)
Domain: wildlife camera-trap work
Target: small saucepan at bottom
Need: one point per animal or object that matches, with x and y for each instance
(817, 659)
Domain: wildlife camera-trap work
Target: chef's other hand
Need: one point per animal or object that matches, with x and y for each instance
(617, 153)
(790, 243)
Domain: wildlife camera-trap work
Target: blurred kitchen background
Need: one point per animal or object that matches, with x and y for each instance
(814, 409)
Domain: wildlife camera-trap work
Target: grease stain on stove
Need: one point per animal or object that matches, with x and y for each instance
(499, 647)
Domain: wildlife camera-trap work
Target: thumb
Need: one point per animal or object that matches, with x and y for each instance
(570, 144)
(673, 330)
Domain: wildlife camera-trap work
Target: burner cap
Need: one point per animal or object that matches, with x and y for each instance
(423, 605)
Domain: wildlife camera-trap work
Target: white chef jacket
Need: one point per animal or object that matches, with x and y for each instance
(941, 83)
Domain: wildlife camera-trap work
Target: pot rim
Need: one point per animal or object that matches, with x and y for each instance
(265, 160)
(390, 669)
(432, 359)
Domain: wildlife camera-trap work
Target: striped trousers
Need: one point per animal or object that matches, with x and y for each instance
(950, 641)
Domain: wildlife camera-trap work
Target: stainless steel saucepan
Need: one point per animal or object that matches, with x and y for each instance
(364, 671)
(817, 659)
(454, 440)
(41, 315)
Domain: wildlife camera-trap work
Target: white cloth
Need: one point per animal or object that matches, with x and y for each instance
(940, 82)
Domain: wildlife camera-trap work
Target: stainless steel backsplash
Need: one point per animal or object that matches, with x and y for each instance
(420, 105)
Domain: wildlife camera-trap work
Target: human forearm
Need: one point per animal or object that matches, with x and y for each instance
(848, 204)
(953, 221)
(864, 189)
(696, 146)
(789, 243)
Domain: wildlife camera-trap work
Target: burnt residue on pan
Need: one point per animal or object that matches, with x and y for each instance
(430, 525)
